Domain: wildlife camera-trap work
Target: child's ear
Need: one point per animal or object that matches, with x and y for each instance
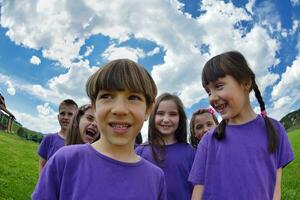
(148, 112)
(248, 84)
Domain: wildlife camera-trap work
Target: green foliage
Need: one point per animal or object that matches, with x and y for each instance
(291, 173)
(291, 121)
(29, 135)
(18, 167)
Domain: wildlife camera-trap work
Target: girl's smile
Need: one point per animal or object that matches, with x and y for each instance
(167, 117)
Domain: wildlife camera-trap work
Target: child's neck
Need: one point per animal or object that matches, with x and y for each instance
(62, 133)
(169, 139)
(124, 153)
(246, 115)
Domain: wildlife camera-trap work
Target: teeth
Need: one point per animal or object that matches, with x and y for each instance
(120, 125)
(166, 126)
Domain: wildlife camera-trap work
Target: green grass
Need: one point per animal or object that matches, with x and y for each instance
(18, 167)
(291, 173)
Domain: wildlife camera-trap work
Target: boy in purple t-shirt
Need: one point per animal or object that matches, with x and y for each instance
(122, 94)
(52, 142)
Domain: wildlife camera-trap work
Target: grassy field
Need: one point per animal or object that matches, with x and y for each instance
(291, 173)
(19, 168)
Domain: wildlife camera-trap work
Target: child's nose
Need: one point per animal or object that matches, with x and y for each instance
(94, 123)
(213, 97)
(205, 129)
(165, 118)
(120, 107)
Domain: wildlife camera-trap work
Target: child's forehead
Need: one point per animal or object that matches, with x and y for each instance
(204, 117)
(67, 108)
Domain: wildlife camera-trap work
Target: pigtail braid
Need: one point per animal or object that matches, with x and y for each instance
(220, 130)
(272, 136)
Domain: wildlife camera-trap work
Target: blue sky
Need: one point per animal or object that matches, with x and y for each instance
(48, 49)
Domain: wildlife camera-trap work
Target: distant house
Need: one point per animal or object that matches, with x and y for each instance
(6, 117)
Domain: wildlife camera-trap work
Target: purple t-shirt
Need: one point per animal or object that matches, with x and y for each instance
(240, 166)
(178, 162)
(81, 172)
(49, 145)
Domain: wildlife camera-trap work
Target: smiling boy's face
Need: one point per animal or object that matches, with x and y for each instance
(120, 116)
(65, 115)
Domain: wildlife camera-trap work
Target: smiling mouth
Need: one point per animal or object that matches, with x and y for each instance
(91, 133)
(166, 126)
(220, 108)
(118, 125)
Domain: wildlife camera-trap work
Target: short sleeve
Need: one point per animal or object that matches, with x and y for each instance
(43, 148)
(197, 173)
(285, 153)
(48, 185)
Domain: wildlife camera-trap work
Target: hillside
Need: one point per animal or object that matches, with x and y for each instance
(292, 120)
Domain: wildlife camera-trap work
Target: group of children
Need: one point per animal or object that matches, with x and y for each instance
(240, 158)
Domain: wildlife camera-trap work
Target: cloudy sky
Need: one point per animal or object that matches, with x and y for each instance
(48, 49)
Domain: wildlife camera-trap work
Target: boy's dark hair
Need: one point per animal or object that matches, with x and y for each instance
(234, 64)
(155, 138)
(194, 141)
(67, 102)
(119, 75)
(73, 133)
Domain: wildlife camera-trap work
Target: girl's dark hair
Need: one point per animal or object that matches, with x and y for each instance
(139, 139)
(73, 133)
(233, 63)
(155, 138)
(193, 140)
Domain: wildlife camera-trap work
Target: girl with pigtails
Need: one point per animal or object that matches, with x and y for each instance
(243, 157)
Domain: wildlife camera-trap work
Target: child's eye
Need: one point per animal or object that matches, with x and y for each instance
(105, 96)
(209, 124)
(200, 126)
(135, 97)
(173, 113)
(160, 113)
(219, 86)
(207, 91)
(90, 117)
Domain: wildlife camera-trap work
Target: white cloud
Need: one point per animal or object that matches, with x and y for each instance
(290, 80)
(10, 88)
(113, 52)
(35, 60)
(44, 109)
(286, 93)
(41, 123)
(249, 6)
(295, 2)
(89, 50)
(60, 29)
(156, 50)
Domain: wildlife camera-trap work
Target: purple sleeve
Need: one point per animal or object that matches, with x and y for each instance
(285, 153)
(197, 172)
(43, 148)
(48, 184)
